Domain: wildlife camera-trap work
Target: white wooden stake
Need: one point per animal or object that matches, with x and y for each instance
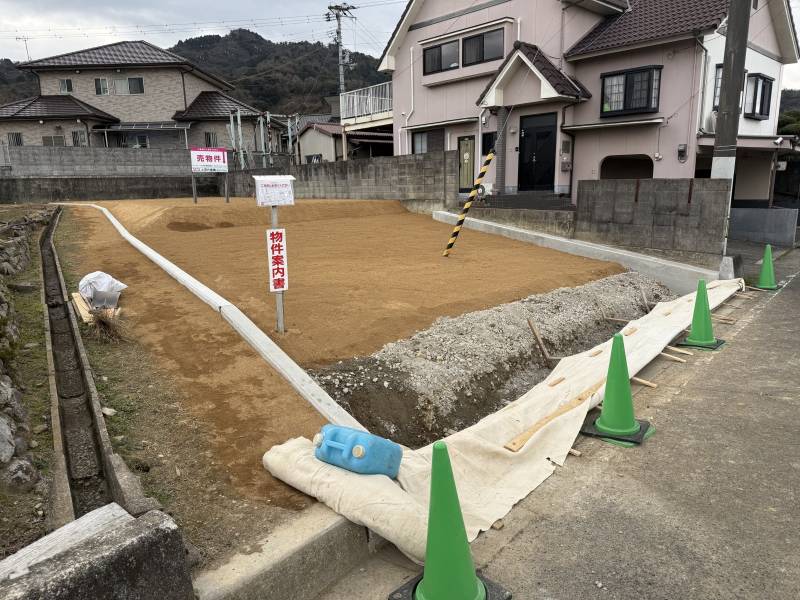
(278, 295)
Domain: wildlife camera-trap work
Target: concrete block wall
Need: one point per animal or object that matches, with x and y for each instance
(426, 181)
(777, 226)
(41, 161)
(51, 189)
(554, 222)
(686, 215)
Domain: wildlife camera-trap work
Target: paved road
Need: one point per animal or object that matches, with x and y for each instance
(708, 508)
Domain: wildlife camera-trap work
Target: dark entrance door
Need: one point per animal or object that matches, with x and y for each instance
(466, 169)
(537, 152)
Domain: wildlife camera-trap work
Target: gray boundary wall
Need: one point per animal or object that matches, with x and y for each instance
(686, 215)
(426, 182)
(776, 226)
(16, 190)
(69, 161)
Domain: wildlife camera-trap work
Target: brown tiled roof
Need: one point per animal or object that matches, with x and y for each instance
(563, 84)
(211, 106)
(128, 54)
(53, 107)
(329, 129)
(650, 21)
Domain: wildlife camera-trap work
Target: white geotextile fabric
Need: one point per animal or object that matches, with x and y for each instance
(490, 479)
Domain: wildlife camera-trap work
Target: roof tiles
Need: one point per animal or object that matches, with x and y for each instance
(214, 105)
(52, 107)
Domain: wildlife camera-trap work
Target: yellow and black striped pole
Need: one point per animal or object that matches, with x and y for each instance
(468, 204)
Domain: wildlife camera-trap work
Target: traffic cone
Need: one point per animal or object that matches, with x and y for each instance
(449, 570)
(701, 334)
(616, 422)
(766, 279)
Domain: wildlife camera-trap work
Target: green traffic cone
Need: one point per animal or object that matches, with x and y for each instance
(449, 570)
(766, 279)
(701, 334)
(616, 416)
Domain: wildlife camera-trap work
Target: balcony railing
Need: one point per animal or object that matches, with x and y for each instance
(366, 101)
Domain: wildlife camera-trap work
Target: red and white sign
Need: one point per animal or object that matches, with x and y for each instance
(209, 160)
(276, 254)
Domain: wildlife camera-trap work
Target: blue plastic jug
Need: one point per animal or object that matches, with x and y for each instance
(358, 451)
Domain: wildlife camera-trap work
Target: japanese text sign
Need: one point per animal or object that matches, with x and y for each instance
(209, 160)
(274, 190)
(276, 255)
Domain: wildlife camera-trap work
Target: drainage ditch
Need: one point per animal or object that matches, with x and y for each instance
(87, 480)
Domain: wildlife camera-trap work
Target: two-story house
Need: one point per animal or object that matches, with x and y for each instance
(584, 89)
(127, 94)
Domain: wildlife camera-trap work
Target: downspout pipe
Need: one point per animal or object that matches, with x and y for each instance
(703, 77)
(572, 138)
(410, 112)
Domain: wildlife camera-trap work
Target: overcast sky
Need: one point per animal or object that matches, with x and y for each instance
(56, 26)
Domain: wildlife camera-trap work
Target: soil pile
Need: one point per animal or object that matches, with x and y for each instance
(461, 369)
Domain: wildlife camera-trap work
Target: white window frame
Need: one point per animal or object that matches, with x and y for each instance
(105, 90)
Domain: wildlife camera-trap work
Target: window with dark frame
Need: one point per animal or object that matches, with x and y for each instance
(15, 138)
(431, 140)
(211, 139)
(440, 58)
(101, 86)
(79, 138)
(630, 92)
(488, 140)
(53, 140)
(717, 86)
(65, 86)
(758, 96)
(483, 47)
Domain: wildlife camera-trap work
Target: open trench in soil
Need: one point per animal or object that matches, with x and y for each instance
(461, 369)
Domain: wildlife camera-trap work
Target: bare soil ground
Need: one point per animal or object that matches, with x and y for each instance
(193, 395)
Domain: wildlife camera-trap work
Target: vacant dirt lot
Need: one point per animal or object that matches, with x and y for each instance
(361, 273)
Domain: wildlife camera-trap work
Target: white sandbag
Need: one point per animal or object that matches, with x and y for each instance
(100, 289)
(490, 479)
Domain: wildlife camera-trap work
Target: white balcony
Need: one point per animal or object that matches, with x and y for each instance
(367, 107)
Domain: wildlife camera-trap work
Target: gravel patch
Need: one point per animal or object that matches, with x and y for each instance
(461, 369)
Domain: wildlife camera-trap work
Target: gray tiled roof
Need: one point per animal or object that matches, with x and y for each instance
(652, 20)
(212, 106)
(53, 107)
(129, 53)
(563, 84)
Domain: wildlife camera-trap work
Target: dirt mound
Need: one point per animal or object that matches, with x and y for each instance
(189, 226)
(461, 369)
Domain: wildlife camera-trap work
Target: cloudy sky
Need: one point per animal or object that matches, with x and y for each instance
(56, 26)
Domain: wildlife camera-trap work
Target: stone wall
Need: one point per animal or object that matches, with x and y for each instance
(685, 215)
(41, 161)
(554, 222)
(16, 466)
(430, 181)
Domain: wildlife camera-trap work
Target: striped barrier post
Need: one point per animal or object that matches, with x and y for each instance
(468, 204)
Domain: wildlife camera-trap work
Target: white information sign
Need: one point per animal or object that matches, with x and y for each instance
(276, 253)
(209, 160)
(274, 190)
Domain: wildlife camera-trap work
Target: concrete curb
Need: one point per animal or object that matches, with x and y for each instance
(299, 560)
(679, 277)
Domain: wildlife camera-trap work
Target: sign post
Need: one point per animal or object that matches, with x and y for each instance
(275, 191)
(209, 160)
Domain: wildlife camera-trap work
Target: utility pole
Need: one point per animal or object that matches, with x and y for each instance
(25, 39)
(723, 165)
(337, 11)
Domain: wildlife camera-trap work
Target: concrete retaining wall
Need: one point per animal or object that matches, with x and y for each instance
(426, 181)
(776, 226)
(556, 222)
(686, 215)
(679, 277)
(41, 161)
(49, 189)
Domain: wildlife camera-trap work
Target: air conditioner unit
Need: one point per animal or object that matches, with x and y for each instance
(711, 122)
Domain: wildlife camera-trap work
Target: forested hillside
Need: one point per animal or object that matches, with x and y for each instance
(285, 77)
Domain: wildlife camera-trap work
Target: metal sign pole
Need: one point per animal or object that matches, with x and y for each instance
(278, 295)
(227, 193)
(194, 188)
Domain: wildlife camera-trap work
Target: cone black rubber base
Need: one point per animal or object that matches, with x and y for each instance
(717, 343)
(493, 590)
(588, 428)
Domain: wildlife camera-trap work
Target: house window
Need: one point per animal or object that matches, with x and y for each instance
(53, 140)
(211, 139)
(440, 58)
(65, 86)
(483, 48)
(142, 141)
(101, 86)
(15, 138)
(488, 140)
(124, 86)
(428, 141)
(630, 92)
(758, 96)
(717, 86)
(79, 138)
